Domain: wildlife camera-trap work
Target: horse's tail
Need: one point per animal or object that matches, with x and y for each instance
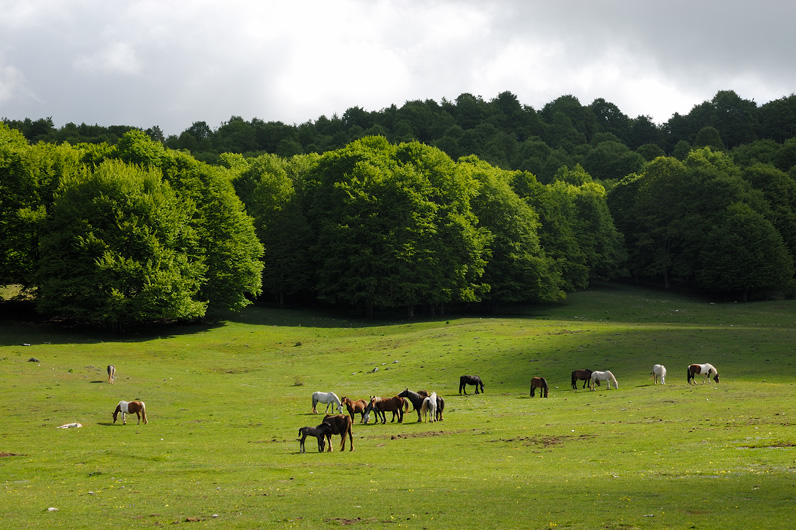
(574, 379)
(143, 413)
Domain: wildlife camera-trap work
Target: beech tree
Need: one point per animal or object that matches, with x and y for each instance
(518, 270)
(117, 248)
(394, 227)
(743, 252)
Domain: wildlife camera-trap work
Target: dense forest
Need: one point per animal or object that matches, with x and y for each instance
(422, 206)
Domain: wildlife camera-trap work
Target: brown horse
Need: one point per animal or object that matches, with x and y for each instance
(111, 373)
(584, 374)
(379, 405)
(130, 407)
(355, 407)
(541, 384)
(339, 424)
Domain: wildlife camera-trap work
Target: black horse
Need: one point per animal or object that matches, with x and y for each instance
(416, 400)
(584, 374)
(470, 380)
(320, 432)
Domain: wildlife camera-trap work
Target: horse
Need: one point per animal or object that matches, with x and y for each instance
(440, 403)
(659, 374)
(470, 380)
(429, 408)
(596, 377)
(320, 432)
(584, 374)
(415, 399)
(355, 407)
(111, 373)
(339, 424)
(541, 384)
(130, 407)
(329, 398)
(380, 405)
(706, 369)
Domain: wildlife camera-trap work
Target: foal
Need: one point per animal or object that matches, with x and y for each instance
(111, 373)
(320, 432)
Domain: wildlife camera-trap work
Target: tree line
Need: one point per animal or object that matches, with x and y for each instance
(139, 232)
(135, 230)
(502, 131)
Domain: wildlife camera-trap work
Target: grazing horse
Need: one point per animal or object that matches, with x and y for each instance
(429, 408)
(704, 369)
(330, 398)
(470, 380)
(320, 432)
(380, 405)
(659, 374)
(596, 377)
(541, 384)
(440, 403)
(340, 424)
(355, 407)
(130, 407)
(414, 398)
(584, 374)
(111, 373)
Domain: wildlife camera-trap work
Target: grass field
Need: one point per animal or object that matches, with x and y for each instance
(225, 402)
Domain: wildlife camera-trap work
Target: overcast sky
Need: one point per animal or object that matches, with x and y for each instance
(172, 62)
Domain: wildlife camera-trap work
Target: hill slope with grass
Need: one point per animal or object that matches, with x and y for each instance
(225, 402)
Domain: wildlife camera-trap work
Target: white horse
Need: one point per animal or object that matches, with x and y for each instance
(703, 369)
(603, 376)
(429, 408)
(659, 373)
(326, 397)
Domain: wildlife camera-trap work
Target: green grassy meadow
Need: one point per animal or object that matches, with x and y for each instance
(225, 402)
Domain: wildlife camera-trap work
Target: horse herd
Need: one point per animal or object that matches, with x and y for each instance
(430, 406)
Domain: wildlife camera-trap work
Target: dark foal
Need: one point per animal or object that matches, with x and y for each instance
(320, 432)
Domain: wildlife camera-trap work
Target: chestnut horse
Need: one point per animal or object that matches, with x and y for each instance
(703, 369)
(130, 407)
(541, 384)
(355, 407)
(584, 374)
(339, 424)
(380, 405)
(111, 373)
(470, 380)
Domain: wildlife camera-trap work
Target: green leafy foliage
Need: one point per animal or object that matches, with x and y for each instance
(117, 249)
